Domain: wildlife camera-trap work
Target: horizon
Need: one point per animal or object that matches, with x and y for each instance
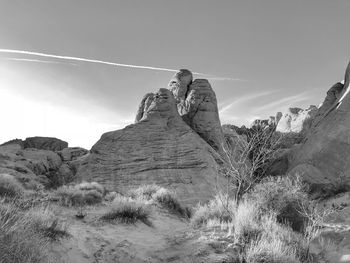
(85, 70)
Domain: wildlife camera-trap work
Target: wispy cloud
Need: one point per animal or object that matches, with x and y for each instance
(245, 98)
(39, 54)
(38, 61)
(285, 102)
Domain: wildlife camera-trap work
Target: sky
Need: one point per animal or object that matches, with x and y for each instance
(67, 68)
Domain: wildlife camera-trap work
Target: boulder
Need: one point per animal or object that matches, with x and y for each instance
(159, 148)
(324, 158)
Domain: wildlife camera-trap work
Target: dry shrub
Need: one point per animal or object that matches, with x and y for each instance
(283, 196)
(10, 187)
(80, 195)
(127, 210)
(20, 238)
(144, 191)
(219, 209)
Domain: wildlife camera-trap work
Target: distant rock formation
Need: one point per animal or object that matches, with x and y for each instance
(293, 120)
(33, 166)
(40, 143)
(324, 158)
(172, 143)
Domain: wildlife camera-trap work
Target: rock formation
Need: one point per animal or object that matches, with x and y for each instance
(41, 143)
(324, 158)
(32, 165)
(293, 120)
(197, 105)
(172, 143)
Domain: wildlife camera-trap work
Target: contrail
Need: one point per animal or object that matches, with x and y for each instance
(39, 61)
(14, 51)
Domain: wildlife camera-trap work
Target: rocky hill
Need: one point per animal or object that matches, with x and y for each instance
(174, 142)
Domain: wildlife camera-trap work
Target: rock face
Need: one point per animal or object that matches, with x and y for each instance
(197, 105)
(324, 158)
(161, 147)
(293, 120)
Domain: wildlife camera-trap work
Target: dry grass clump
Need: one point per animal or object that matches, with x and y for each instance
(144, 191)
(169, 200)
(162, 196)
(219, 209)
(80, 195)
(258, 224)
(25, 235)
(10, 187)
(128, 210)
(283, 196)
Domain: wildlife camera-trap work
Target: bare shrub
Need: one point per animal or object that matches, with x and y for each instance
(144, 191)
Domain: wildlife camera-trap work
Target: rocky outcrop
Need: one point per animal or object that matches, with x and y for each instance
(161, 147)
(324, 158)
(41, 143)
(294, 119)
(36, 167)
(197, 105)
(45, 143)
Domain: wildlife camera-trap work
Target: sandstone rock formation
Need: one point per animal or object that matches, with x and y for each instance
(161, 147)
(32, 166)
(324, 158)
(197, 104)
(293, 120)
(41, 143)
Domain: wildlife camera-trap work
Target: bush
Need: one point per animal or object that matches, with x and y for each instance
(10, 187)
(19, 242)
(80, 195)
(144, 191)
(219, 209)
(283, 196)
(162, 196)
(127, 210)
(47, 224)
(85, 186)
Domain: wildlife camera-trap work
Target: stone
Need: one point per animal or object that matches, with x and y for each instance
(159, 148)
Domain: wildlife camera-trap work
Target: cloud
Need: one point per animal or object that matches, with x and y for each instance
(245, 98)
(24, 52)
(39, 61)
(285, 102)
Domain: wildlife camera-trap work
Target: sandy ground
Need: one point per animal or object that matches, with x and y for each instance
(169, 239)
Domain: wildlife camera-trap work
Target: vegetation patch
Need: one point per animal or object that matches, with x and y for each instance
(80, 195)
(128, 210)
(10, 187)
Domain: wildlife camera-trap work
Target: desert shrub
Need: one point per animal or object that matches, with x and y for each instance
(220, 209)
(10, 187)
(127, 210)
(88, 186)
(162, 196)
(169, 200)
(47, 224)
(19, 242)
(144, 191)
(79, 195)
(246, 223)
(283, 196)
(110, 196)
